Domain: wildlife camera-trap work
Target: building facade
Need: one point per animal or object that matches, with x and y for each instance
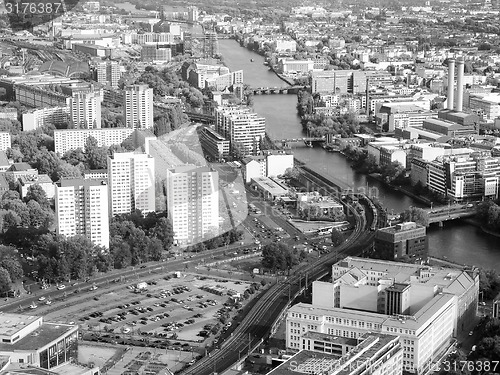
(193, 203)
(131, 179)
(402, 240)
(138, 107)
(70, 139)
(85, 110)
(82, 209)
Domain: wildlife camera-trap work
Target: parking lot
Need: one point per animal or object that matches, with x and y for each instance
(189, 309)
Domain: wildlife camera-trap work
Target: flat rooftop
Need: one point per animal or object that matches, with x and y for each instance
(330, 338)
(12, 323)
(43, 335)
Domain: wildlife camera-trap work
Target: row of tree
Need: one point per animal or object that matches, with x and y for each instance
(280, 257)
(184, 153)
(393, 173)
(223, 239)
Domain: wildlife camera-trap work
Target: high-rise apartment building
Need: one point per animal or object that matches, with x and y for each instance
(85, 110)
(70, 139)
(108, 73)
(193, 203)
(131, 179)
(138, 107)
(242, 128)
(82, 209)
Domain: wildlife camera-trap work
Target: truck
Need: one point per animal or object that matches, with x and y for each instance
(141, 285)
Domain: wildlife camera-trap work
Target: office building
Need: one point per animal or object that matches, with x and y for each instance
(290, 66)
(37, 118)
(131, 179)
(108, 73)
(425, 306)
(373, 353)
(82, 209)
(71, 139)
(85, 110)
(138, 107)
(193, 203)
(448, 128)
(242, 128)
(30, 341)
(402, 240)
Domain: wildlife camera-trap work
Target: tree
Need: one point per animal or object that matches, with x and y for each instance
(39, 217)
(75, 157)
(37, 194)
(10, 262)
(280, 257)
(5, 280)
(66, 171)
(163, 231)
(337, 237)
(416, 214)
(97, 157)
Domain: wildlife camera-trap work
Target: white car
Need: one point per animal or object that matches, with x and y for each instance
(93, 287)
(42, 298)
(126, 330)
(61, 287)
(33, 306)
(48, 302)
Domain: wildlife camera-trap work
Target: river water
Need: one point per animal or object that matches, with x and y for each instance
(457, 241)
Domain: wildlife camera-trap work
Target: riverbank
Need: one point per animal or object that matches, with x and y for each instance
(478, 224)
(401, 189)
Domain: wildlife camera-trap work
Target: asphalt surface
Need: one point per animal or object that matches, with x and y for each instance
(256, 326)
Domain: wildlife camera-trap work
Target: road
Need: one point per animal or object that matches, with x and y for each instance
(255, 327)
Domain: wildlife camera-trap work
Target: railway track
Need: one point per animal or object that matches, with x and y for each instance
(256, 325)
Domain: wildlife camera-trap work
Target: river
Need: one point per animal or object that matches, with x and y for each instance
(456, 241)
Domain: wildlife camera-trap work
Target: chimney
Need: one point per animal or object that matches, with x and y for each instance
(451, 83)
(460, 84)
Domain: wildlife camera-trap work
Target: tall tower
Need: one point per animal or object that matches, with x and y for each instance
(460, 84)
(85, 110)
(82, 209)
(193, 203)
(138, 107)
(131, 179)
(451, 84)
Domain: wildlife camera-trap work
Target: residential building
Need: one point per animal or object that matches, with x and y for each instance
(55, 344)
(214, 144)
(108, 73)
(268, 164)
(37, 118)
(425, 306)
(4, 162)
(82, 209)
(95, 174)
(242, 128)
(284, 45)
(138, 107)
(8, 113)
(85, 110)
(485, 106)
(5, 141)
(373, 353)
(155, 54)
(331, 81)
(131, 179)
(390, 154)
(402, 240)
(193, 203)
(70, 139)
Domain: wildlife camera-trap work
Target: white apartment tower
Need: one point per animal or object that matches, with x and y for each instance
(131, 179)
(193, 203)
(85, 110)
(241, 127)
(108, 73)
(82, 209)
(138, 107)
